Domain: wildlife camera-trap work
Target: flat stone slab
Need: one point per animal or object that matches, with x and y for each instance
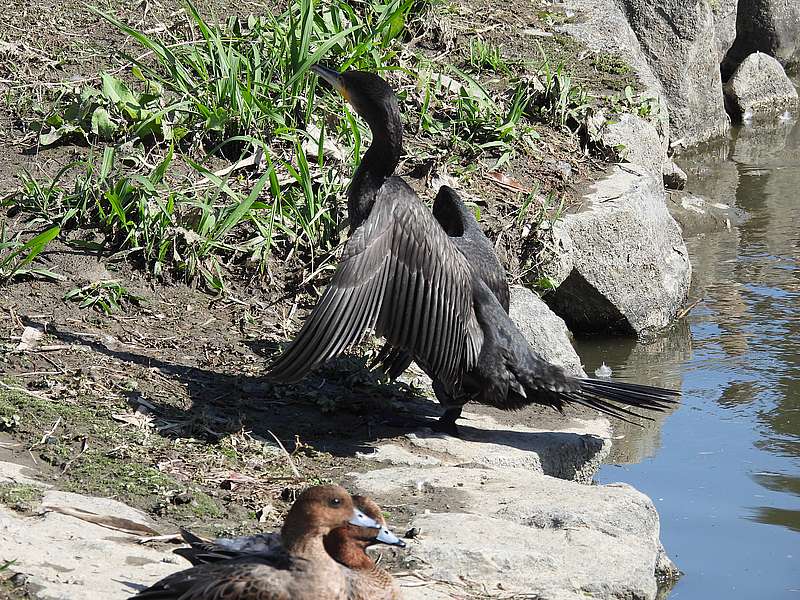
(66, 558)
(18, 474)
(516, 531)
(574, 452)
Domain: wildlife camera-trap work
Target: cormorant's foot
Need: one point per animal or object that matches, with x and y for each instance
(445, 425)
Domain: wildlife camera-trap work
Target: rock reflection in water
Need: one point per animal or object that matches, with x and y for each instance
(657, 362)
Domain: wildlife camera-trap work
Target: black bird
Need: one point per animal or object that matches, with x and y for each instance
(432, 286)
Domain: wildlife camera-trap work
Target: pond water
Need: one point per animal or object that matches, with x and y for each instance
(724, 469)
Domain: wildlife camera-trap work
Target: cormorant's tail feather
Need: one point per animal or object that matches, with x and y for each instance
(617, 399)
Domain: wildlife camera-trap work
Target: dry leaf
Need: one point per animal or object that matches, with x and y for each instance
(506, 182)
(137, 419)
(329, 148)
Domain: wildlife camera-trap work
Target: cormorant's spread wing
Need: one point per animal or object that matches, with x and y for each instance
(401, 275)
(460, 224)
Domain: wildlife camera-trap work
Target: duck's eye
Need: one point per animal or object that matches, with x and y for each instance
(335, 501)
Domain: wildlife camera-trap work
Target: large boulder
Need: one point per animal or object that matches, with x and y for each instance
(629, 269)
(525, 533)
(760, 86)
(679, 43)
(603, 27)
(545, 331)
(769, 26)
(633, 139)
(724, 25)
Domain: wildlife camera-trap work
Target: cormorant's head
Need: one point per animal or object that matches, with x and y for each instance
(368, 94)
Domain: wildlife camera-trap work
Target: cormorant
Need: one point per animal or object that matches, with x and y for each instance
(432, 286)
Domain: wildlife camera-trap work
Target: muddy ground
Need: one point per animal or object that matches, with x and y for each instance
(163, 404)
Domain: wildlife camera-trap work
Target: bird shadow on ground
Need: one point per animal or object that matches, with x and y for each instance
(341, 409)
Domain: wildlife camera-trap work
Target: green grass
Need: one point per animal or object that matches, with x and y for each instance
(107, 295)
(207, 157)
(486, 56)
(19, 496)
(239, 89)
(17, 256)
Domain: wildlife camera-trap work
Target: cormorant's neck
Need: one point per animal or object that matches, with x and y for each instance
(378, 163)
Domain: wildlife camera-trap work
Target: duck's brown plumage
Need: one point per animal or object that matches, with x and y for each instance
(347, 545)
(432, 286)
(305, 572)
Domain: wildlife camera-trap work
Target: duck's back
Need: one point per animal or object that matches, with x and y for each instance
(267, 546)
(252, 578)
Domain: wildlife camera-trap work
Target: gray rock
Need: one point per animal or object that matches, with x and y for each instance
(574, 451)
(554, 260)
(19, 475)
(760, 86)
(603, 27)
(679, 44)
(630, 268)
(545, 331)
(769, 26)
(393, 454)
(695, 215)
(636, 141)
(724, 25)
(674, 177)
(526, 533)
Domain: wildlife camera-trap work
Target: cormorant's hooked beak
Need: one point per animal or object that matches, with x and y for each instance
(387, 537)
(334, 78)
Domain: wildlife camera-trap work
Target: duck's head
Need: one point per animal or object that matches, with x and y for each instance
(322, 508)
(369, 94)
(348, 544)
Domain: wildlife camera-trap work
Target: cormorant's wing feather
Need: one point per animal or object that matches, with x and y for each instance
(401, 276)
(460, 224)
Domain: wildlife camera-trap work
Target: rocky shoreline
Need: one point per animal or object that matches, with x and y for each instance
(510, 511)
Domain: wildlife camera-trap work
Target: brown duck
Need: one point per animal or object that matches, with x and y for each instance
(305, 572)
(347, 545)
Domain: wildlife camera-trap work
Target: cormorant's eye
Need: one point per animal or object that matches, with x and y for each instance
(335, 501)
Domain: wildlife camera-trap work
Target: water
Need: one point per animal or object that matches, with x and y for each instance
(724, 469)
